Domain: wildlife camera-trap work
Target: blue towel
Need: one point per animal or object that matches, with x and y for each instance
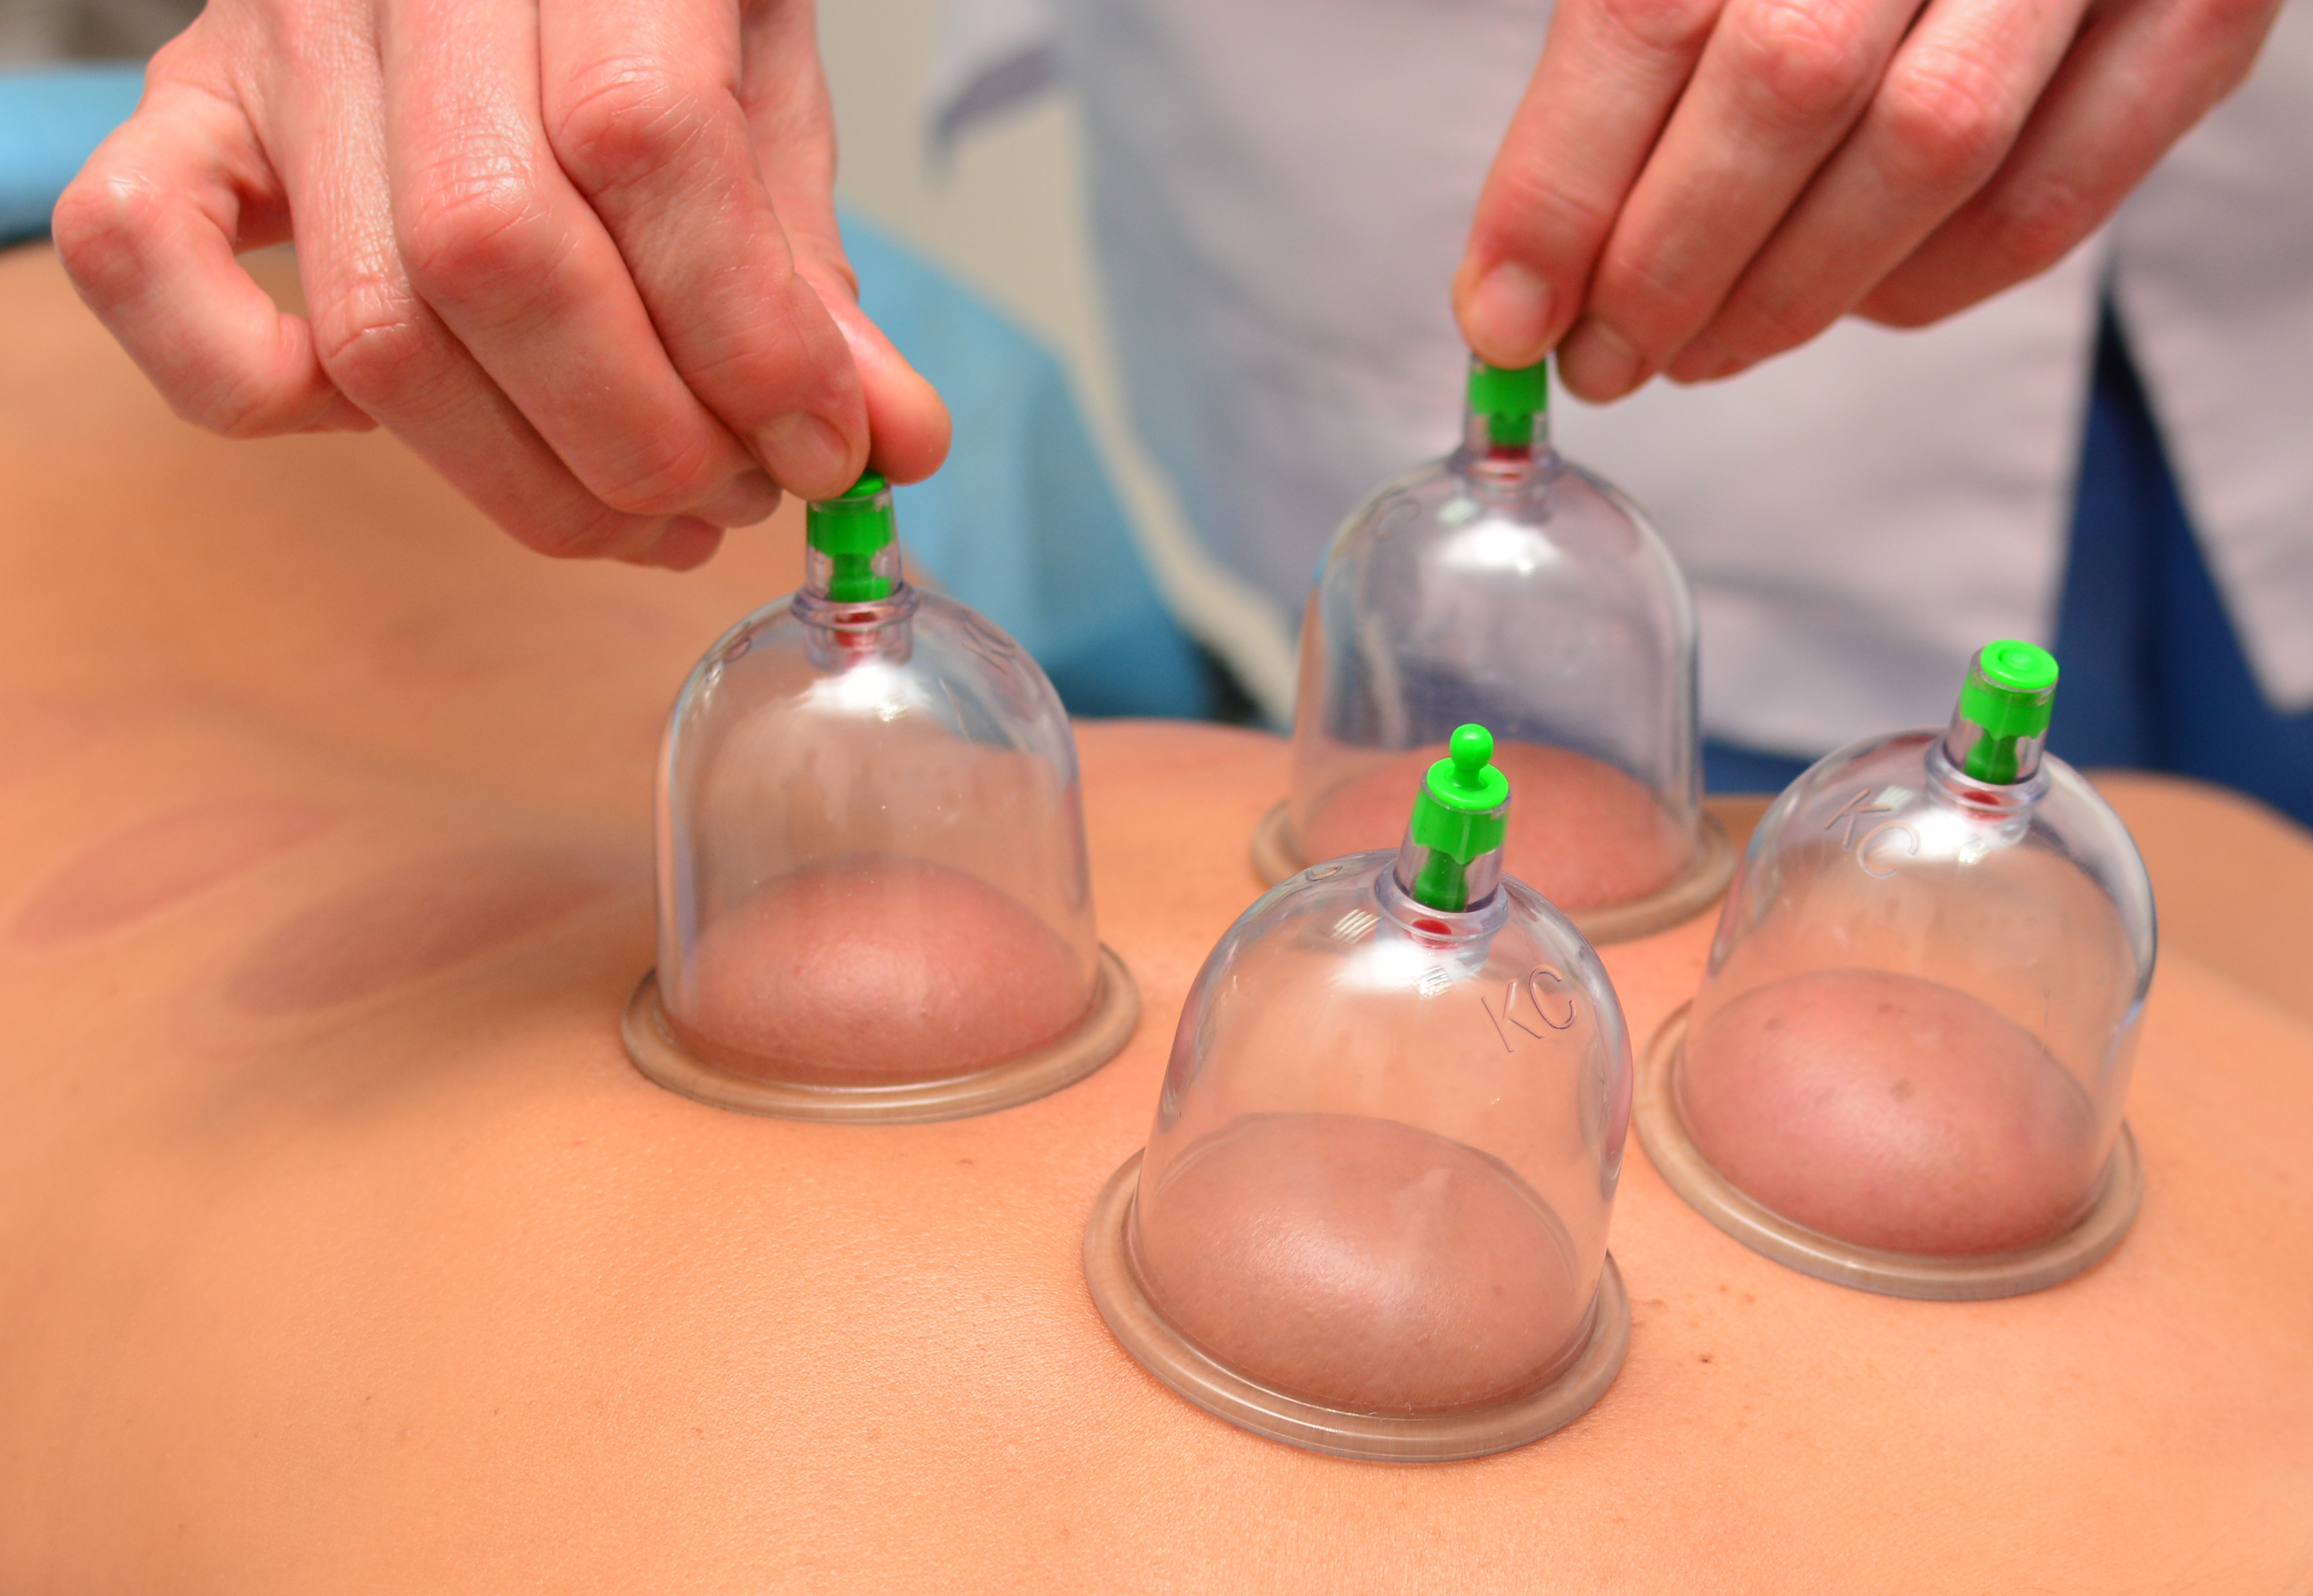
(51, 119)
(1022, 524)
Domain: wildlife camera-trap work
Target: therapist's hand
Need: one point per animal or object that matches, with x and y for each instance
(580, 254)
(1692, 186)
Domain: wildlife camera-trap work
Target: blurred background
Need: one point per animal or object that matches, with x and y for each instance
(1898, 504)
(973, 253)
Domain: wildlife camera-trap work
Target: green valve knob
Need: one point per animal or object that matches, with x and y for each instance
(1461, 814)
(2010, 695)
(1510, 397)
(852, 530)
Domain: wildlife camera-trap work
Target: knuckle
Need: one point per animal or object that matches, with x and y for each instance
(1660, 27)
(193, 56)
(1948, 120)
(1756, 323)
(1903, 307)
(2231, 32)
(238, 409)
(660, 477)
(1769, 323)
(231, 401)
(1527, 211)
(467, 229)
(593, 531)
(625, 121)
(2038, 224)
(1542, 204)
(1807, 60)
(372, 341)
(1648, 308)
(103, 226)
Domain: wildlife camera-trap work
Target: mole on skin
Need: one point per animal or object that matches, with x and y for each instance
(1891, 1112)
(874, 968)
(1582, 834)
(1359, 1263)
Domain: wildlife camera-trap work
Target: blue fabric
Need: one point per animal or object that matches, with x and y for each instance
(1021, 524)
(51, 119)
(2153, 672)
(1728, 767)
(2154, 677)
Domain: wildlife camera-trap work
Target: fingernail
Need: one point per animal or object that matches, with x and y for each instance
(1510, 316)
(805, 455)
(687, 543)
(1597, 363)
(742, 502)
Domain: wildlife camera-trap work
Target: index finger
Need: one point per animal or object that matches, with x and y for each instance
(1610, 73)
(642, 106)
(149, 232)
(2136, 78)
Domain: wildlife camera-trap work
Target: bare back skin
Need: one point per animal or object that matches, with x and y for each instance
(341, 1247)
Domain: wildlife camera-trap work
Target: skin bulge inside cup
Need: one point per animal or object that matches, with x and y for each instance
(873, 836)
(1361, 1263)
(874, 968)
(1342, 1200)
(1582, 834)
(1917, 1039)
(1890, 1111)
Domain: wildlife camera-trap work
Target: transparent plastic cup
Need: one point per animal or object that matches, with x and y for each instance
(1505, 585)
(1906, 1066)
(1371, 1216)
(873, 897)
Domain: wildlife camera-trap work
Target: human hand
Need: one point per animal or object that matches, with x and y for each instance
(1692, 186)
(580, 254)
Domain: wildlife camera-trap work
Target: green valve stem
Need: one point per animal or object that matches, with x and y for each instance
(2002, 723)
(854, 539)
(1510, 406)
(1452, 855)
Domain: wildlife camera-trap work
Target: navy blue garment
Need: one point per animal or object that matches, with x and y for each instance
(1728, 767)
(2154, 677)
(2153, 673)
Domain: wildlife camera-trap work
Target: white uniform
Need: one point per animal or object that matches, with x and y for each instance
(1281, 192)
